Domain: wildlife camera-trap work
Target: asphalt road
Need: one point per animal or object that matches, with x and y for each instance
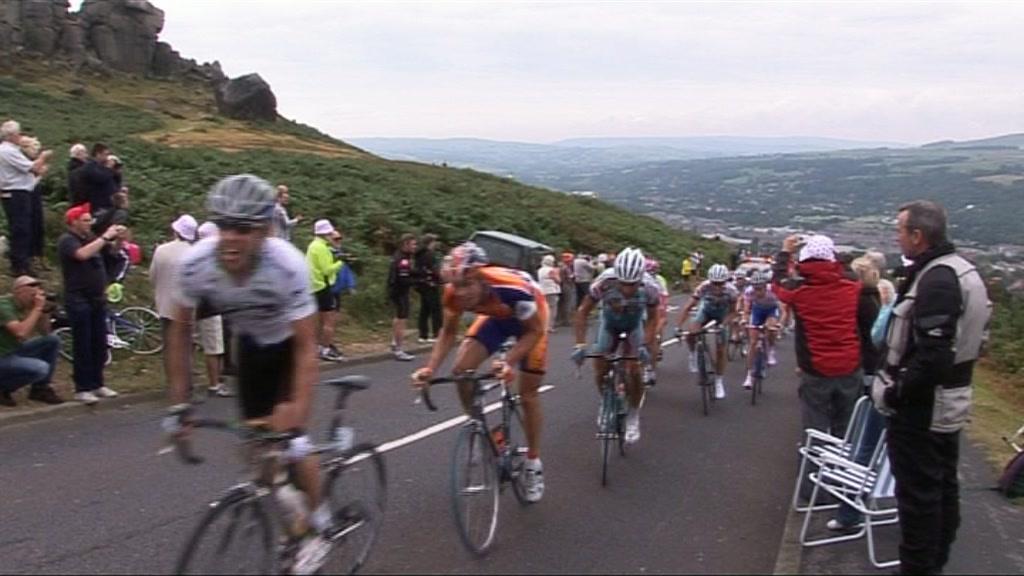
(89, 494)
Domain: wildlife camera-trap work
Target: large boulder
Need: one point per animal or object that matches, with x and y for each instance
(247, 98)
(123, 33)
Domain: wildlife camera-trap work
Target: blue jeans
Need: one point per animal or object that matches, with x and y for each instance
(88, 319)
(31, 363)
(873, 425)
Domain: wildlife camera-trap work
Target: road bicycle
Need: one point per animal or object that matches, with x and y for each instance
(484, 461)
(254, 527)
(705, 362)
(136, 329)
(612, 417)
(759, 367)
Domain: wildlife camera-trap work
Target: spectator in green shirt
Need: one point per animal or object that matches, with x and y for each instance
(324, 260)
(26, 359)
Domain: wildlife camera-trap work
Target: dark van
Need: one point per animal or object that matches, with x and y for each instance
(509, 250)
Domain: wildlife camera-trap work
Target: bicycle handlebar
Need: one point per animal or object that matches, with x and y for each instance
(474, 378)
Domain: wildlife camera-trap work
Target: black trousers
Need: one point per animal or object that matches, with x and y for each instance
(430, 311)
(37, 232)
(88, 318)
(18, 209)
(924, 464)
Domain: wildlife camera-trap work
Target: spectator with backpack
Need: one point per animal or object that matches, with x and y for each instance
(324, 264)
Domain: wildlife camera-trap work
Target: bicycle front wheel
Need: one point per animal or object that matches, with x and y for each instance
(140, 328)
(355, 487)
(474, 488)
(234, 537)
(758, 375)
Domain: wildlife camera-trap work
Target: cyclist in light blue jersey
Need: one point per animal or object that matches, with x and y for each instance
(630, 304)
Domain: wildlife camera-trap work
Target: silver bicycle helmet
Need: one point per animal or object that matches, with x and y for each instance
(629, 265)
(718, 273)
(758, 278)
(242, 197)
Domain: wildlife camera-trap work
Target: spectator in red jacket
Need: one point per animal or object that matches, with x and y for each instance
(824, 300)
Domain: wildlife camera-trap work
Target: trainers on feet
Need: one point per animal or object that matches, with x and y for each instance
(533, 479)
(772, 360)
(220, 390)
(330, 355)
(7, 400)
(749, 382)
(719, 388)
(693, 362)
(422, 340)
(104, 392)
(632, 427)
(311, 555)
(87, 398)
(116, 343)
(403, 356)
(45, 395)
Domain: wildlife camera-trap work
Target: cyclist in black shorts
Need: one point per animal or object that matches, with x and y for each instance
(261, 285)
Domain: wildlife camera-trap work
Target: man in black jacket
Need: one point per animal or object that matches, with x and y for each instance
(931, 363)
(400, 282)
(98, 181)
(427, 275)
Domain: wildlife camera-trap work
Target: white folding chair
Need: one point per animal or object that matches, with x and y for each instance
(865, 488)
(817, 444)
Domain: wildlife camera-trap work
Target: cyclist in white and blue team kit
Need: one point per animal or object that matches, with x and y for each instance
(715, 299)
(260, 284)
(630, 303)
(759, 308)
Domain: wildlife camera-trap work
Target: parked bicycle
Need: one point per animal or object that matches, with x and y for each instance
(253, 527)
(136, 329)
(484, 461)
(612, 419)
(706, 361)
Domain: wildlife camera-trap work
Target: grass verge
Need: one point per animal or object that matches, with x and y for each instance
(998, 411)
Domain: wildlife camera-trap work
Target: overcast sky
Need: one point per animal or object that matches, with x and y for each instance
(910, 72)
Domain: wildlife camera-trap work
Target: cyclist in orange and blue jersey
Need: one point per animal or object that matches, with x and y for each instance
(508, 304)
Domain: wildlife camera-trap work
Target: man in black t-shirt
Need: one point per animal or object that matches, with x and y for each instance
(85, 284)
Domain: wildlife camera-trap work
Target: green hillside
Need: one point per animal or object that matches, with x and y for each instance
(174, 148)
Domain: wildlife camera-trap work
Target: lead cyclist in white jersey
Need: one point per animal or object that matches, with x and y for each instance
(260, 284)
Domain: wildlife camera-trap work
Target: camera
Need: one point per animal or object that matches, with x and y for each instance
(51, 303)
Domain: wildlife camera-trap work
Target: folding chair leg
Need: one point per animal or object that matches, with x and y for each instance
(869, 524)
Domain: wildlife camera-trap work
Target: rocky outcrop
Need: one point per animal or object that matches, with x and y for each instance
(122, 35)
(117, 35)
(247, 98)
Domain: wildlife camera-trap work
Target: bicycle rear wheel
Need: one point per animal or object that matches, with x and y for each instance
(356, 489)
(66, 349)
(515, 464)
(703, 377)
(474, 488)
(234, 537)
(140, 328)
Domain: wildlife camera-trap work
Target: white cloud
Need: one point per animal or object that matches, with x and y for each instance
(543, 71)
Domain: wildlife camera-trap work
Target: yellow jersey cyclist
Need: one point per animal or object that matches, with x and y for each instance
(759, 308)
(630, 302)
(715, 299)
(261, 285)
(508, 304)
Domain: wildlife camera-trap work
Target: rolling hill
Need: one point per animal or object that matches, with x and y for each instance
(175, 146)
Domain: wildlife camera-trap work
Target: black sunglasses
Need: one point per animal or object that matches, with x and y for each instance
(239, 226)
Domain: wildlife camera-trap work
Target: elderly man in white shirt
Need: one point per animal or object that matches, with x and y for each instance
(18, 177)
(163, 270)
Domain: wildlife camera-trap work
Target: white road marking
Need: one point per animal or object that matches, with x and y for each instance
(435, 429)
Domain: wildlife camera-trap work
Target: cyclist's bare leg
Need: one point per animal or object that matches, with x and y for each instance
(634, 383)
(470, 356)
(600, 369)
(720, 358)
(533, 417)
(754, 337)
(307, 478)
